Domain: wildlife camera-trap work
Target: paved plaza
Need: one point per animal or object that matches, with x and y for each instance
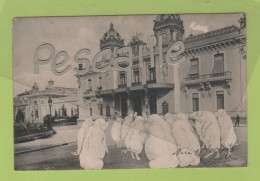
(55, 153)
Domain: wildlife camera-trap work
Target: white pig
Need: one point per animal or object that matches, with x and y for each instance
(94, 146)
(80, 136)
(160, 147)
(135, 137)
(228, 136)
(115, 131)
(125, 128)
(186, 140)
(208, 129)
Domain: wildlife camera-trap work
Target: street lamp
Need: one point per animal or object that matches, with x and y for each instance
(50, 104)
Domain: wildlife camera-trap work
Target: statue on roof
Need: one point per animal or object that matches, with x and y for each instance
(35, 86)
(135, 42)
(242, 21)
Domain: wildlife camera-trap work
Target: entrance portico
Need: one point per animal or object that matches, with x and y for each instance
(138, 98)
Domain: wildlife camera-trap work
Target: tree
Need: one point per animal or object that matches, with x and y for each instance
(19, 116)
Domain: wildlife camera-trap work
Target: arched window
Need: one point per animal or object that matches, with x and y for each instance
(100, 82)
(164, 107)
(36, 114)
(107, 110)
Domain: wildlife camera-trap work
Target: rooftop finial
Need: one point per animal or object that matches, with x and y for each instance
(111, 26)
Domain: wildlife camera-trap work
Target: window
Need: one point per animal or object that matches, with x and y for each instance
(136, 75)
(164, 107)
(90, 111)
(100, 82)
(220, 99)
(107, 110)
(36, 114)
(194, 66)
(101, 109)
(195, 102)
(122, 78)
(152, 73)
(218, 63)
(89, 84)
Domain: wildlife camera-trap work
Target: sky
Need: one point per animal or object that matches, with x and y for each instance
(71, 34)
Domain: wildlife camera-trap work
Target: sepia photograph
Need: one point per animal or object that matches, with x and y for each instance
(130, 92)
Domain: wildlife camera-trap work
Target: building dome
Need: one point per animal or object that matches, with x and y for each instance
(111, 39)
(170, 27)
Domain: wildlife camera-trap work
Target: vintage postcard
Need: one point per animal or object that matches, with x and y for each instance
(130, 92)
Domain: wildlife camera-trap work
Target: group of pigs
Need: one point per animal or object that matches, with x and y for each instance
(169, 141)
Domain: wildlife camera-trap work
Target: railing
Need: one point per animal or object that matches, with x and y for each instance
(208, 76)
(121, 85)
(88, 93)
(136, 83)
(151, 81)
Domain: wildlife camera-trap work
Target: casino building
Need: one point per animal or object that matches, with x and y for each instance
(212, 76)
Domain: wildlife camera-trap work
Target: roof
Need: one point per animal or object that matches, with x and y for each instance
(168, 19)
(212, 34)
(111, 33)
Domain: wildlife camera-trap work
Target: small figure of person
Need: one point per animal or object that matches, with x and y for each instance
(237, 121)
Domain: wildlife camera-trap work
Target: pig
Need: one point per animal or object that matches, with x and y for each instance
(209, 131)
(124, 130)
(115, 131)
(94, 146)
(80, 136)
(228, 136)
(160, 147)
(186, 140)
(135, 137)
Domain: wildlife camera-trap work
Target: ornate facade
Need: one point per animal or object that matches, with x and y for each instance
(34, 103)
(212, 76)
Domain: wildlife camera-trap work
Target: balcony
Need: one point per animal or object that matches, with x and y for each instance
(136, 83)
(122, 86)
(223, 76)
(151, 81)
(89, 93)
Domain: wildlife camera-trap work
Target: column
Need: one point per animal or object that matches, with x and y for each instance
(128, 101)
(176, 88)
(113, 104)
(146, 102)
